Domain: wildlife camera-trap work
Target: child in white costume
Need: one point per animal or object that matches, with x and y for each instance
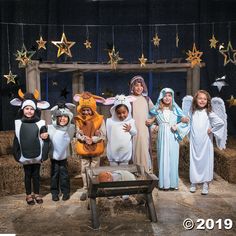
(204, 123)
(61, 132)
(120, 130)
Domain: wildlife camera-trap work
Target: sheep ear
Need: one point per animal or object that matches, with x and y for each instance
(109, 101)
(131, 98)
(54, 108)
(43, 105)
(77, 97)
(16, 102)
(71, 106)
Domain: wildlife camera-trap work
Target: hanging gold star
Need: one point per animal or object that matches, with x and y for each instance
(63, 46)
(87, 44)
(231, 101)
(10, 77)
(156, 40)
(228, 53)
(114, 58)
(177, 40)
(213, 41)
(194, 56)
(41, 43)
(24, 56)
(143, 61)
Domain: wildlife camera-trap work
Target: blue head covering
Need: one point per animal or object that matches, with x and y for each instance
(176, 109)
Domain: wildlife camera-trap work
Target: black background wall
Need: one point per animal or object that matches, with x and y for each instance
(126, 16)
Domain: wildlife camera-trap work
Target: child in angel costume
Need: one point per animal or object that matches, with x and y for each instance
(61, 132)
(140, 110)
(90, 134)
(120, 130)
(173, 126)
(30, 146)
(205, 122)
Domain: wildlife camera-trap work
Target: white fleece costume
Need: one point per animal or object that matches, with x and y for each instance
(119, 145)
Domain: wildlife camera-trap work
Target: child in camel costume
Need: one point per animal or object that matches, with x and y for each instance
(90, 133)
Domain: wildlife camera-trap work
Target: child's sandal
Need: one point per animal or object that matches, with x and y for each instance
(29, 199)
(38, 199)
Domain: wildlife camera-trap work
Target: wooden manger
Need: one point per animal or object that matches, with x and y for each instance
(144, 184)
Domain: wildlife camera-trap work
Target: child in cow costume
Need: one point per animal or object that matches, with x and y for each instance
(90, 133)
(30, 145)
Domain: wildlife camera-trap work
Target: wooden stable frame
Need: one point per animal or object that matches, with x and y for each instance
(33, 72)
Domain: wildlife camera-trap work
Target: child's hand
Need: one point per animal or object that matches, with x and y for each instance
(44, 135)
(209, 131)
(184, 119)
(150, 121)
(98, 133)
(174, 128)
(127, 127)
(88, 140)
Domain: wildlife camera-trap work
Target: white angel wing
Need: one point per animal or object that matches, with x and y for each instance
(218, 107)
(186, 104)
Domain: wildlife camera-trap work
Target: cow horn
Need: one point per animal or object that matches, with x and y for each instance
(36, 94)
(21, 94)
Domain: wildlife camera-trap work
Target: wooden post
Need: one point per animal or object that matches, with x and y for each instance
(94, 213)
(195, 79)
(77, 82)
(189, 81)
(33, 77)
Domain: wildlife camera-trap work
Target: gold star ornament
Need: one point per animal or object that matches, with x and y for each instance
(87, 44)
(10, 77)
(24, 56)
(232, 101)
(229, 54)
(41, 43)
(194, 56)
(143, 61)
(213, 41)
(63, 46)
(156, 40)
(114, 58)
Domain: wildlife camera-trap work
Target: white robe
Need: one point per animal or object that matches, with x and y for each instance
(201, 145)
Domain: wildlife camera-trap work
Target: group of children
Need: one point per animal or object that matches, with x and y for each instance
(128, 135)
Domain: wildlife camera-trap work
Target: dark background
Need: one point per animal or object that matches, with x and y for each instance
(126, 16)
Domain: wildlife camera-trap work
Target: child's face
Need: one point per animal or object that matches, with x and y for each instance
(201, 100)
(28, 111)
(138, 89)
(167, 99)
(122, 113)
(86, 111)
(62, 120)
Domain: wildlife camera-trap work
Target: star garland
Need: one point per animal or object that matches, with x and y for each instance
(156, 40)
(143, 60)
(114, 58)
(194, 56)
(213, 41)
(24, 56)
(10, 77)
(41, 43)
(228, 53)
(63, 46)
(87, 43)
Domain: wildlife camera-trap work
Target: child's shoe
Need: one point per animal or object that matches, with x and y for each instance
(83, 196)
(66, 197)
(55, 198)
(192, 188)
(38, 199)
(205, 188)
(30, 200)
